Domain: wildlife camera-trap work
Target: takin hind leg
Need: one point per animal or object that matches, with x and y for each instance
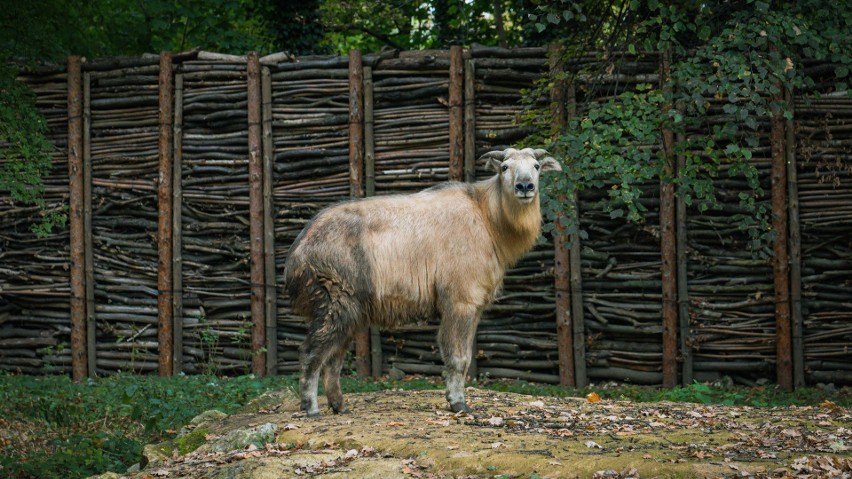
(325, 347)
(312, 355)
(331, 377)
(455, 339)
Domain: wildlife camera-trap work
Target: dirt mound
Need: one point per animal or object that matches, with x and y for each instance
(412, 434)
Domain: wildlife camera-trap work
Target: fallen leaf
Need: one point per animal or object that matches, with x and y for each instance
(593, 397)
(496, 421)
(555, 463)
(350, 454)
(591, 444)
(497, 445)
(395, 424)
(538, 404)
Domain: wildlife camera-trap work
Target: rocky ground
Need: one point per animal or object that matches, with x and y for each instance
(404, 434)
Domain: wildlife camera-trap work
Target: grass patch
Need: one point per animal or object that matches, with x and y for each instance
(51, 427)
(702, 393)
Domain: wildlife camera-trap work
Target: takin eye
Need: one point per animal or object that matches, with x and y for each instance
(504, 167)
(537, 166)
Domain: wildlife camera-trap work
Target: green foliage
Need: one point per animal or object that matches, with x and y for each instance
(612, 146)
(733, 59)
(24, 150)
(404, 25)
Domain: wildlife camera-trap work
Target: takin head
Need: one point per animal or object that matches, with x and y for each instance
(519, 171)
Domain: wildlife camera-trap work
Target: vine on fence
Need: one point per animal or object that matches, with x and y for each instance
(24, 150)
(736, 61)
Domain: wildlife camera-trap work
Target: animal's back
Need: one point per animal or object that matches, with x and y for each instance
(397, 255)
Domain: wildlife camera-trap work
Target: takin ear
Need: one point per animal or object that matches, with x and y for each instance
(547, 162)
(493, 159)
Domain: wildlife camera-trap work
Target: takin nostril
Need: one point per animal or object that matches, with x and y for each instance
(524, 187)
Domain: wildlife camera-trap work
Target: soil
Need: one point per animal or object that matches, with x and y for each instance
(404, 434)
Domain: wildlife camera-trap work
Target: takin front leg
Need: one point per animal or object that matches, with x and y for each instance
(455, 339)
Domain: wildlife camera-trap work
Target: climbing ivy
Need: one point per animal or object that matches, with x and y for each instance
(730, 62)
(24, 150)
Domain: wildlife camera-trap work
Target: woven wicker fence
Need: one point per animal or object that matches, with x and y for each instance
(189, 176)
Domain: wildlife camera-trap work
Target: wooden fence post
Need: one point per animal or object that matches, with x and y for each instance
(562, 254)
(468, 161)
(177, 229)
(356, 180)
(370, 178)
(255, 144)
(165, 285)
(469, 120)
(780, 257)
(795, 238)
(270, 290)
(668, 241)
(456, 133)
(79, 357)
(91, 323)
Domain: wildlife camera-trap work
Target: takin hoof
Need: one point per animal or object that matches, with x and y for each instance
(313, 414)
(459, 407)
(340, 410)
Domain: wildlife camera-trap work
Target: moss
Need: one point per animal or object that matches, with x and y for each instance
(191, 440)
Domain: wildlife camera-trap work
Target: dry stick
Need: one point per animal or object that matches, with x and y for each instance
(780, 257)
(456, 130)
(370, 175)
(564, 331)
(91, 331)
(356, 180)
(164, 226)
(668, 241)
(795, 239)
(256, 229)
(269, 227)
(177, 228)
(79, 355)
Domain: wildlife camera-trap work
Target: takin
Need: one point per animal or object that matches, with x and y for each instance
(390, 260)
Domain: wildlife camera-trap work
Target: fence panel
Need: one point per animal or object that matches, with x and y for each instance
(825, 197)
(123, 145)
(215, 218)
